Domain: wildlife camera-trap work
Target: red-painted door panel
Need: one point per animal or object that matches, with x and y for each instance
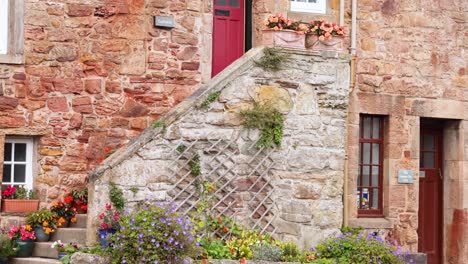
(430, 195)
(228, 33)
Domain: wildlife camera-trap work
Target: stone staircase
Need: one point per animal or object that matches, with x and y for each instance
(43, 253)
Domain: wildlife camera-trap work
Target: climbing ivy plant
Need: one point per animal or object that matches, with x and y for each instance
(267, 119)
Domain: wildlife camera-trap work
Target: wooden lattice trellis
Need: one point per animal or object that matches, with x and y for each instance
(224, 163)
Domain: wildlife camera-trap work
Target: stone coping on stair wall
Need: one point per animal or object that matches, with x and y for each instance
(293, 191)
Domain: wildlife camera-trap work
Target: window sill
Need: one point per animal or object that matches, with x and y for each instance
(371, 223)
(11, 59)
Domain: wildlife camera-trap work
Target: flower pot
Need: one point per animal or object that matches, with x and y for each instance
(61, 255)
(25, 248)
(313, 43)
(41, 236)
(104, 235)
(19, 206)
(283, 38)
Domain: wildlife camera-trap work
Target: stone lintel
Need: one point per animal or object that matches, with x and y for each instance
(436, 108)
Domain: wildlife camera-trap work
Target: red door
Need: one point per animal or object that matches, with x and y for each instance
(430, 194)
(228, 33)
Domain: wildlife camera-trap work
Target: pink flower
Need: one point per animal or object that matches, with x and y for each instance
(108, 206)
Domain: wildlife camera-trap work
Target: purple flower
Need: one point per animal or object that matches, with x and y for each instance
(124, 261)
(153, 240)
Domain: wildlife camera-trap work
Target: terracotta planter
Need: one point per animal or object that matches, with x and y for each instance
(19, 206)
(334, 44)
(283, 38)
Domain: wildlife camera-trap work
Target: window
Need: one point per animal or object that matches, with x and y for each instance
(309, 6)
(17, 162)
(11, 31)
(369, 182)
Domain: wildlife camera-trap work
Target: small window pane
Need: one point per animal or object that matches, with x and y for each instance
(365, 175)
(221, 2)
(376, 128)
(428, 160)
(375, 153)
(375, 176)
(234, 3)
(365, 198)
(7, 154)
(20, 152)
(366, 127)
(428, 142)
(6, 173)
(366, 153)
(20, 173)
(375, 198)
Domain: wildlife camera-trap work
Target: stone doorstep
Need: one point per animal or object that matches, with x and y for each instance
(70, 234)
(34, 261)
(44, 250)
(80, 221)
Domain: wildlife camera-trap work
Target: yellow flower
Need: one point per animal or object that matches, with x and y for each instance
(28, 228)
(55, 203)
(45, 224)
(47, 230)
(73, 220)
(61, 220)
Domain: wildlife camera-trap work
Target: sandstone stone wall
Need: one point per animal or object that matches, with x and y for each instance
(411, 64)
(294, 191)
(97, 73)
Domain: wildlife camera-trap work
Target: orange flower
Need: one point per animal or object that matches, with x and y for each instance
(73, 219)
(55, 203)
(28, 228)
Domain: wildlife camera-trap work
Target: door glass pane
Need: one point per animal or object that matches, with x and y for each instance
(375, 153)
(6, 173)
(375, 198)
(20, 152)
(366, 153)
(365, 175)
(428, 142)
(221, 2)
(234, 3)
(20, 173)
(428, 160)
(366, 131)
(7, 154)
(375, 176)
(376, 128)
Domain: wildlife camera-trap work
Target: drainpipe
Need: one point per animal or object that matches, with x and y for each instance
(351, 88)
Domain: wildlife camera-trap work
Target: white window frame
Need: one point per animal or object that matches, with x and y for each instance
(14, 34)
(320, 7)
(28, 183)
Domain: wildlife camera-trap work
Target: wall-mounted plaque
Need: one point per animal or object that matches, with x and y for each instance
(164, 21)
(405, 176)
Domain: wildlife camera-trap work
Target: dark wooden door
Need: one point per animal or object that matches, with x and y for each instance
(430, 194)
(228, 33)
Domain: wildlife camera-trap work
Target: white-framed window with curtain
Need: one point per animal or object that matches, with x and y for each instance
(18, 162)
(309, 6)
(4, 26)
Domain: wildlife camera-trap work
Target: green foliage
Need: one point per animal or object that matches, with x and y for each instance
(158, 123)
(214, 248)
(268, 252)
(134, 190)
(358, 248)
(195, 167)
(269, 120)
(352, 230)
(42, 218)
(7, 247)
(210, 99)
(116, 197)
(241, 247)
(271, 59)
(291, 252)
(180, 148)
(153, 233)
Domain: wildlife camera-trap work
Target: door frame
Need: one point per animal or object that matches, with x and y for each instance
(438, 126)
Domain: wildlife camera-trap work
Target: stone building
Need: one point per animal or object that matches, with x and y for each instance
(372, 138)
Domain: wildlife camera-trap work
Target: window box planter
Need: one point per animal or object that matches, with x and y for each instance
(313, 42)
(19, 206)
(283, 38)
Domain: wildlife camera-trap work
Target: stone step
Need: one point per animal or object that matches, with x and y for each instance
(80, 221)
(34, 261)
(43, 249)
(70, 234)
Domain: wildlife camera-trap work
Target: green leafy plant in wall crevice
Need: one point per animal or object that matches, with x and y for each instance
(272, 59)
(268, 120)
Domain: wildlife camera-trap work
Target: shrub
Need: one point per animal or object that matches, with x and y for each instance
(241, 246)
(359, 248)
(153, 233)
(268, 252)
(214, 249)
(7, 247)
(291, 252)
